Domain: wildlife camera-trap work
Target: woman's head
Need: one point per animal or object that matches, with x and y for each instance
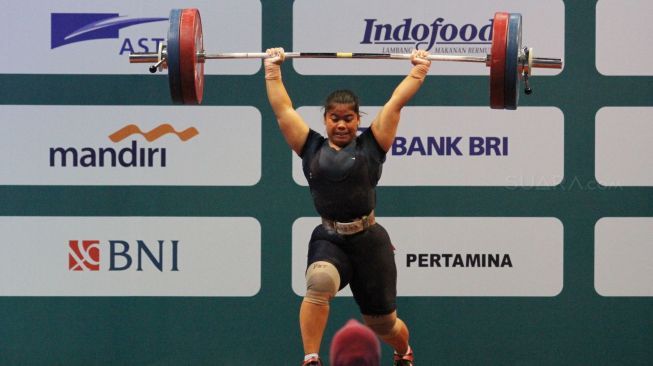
(344, 96)
(341, 117)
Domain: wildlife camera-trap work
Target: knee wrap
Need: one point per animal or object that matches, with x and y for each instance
(322, 283)
(383, 325)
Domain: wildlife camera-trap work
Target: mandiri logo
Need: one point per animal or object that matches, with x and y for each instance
(129, 156)
(69, 28)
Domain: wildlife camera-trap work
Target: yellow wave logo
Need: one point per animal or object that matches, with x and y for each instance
(153, 134)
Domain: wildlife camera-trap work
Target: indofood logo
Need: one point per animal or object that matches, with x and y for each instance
(67, 28)
(402, 37)
(133, 155)
(122, 255)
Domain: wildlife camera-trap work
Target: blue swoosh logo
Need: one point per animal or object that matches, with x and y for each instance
(67, 28)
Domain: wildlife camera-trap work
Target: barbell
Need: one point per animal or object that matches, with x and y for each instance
(184, 57)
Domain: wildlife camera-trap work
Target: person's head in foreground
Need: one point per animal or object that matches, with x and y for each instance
(355, 345)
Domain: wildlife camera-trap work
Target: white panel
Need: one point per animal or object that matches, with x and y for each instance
(193, 256)
(40, 34)
(443, 27)
(623, 258)
(186, 146)
(463, 256)
(528, 146)
(623, 37)
(623, 146)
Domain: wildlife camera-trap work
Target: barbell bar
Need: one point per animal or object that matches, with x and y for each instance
(184, 57)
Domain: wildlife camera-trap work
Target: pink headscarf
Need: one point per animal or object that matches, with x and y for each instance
(355, 345)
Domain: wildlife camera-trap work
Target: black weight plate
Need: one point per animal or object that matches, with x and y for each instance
(174, 72)
(511, 83)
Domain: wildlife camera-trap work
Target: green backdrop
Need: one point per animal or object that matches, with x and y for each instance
(577, 327)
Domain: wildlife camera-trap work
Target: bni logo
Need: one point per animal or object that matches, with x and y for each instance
(123, 255)
(67, 28)
(84, 255)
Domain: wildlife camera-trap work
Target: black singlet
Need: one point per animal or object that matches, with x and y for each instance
(342, 181)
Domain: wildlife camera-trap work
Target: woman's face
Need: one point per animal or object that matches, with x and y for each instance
(341, 123)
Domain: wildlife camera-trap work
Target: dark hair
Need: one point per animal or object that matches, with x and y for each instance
(342, 97)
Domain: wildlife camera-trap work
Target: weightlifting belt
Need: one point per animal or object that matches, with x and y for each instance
(349, 228)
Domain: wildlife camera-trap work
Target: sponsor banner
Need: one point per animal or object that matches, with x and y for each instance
(96, 37)
(461, 27)
(623, 29)
(466, 146)
(462, 256)
(623, 146)
(129, 145)
(130, 256)
(623, 256)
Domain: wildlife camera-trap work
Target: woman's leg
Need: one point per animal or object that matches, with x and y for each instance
(390, 329)
(374, 285)
(322, 284)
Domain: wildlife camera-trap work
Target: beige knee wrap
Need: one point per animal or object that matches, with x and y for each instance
(322, 283)
(383, 325)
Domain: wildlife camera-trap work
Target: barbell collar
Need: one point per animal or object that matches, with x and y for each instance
(157, 66)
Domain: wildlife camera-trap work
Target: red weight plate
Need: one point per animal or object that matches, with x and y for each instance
(498, 60)
(190, 43)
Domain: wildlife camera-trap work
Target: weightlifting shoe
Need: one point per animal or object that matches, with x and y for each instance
(405, 359)
(313, 361)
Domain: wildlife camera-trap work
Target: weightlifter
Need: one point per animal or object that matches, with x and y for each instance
(342, 170)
